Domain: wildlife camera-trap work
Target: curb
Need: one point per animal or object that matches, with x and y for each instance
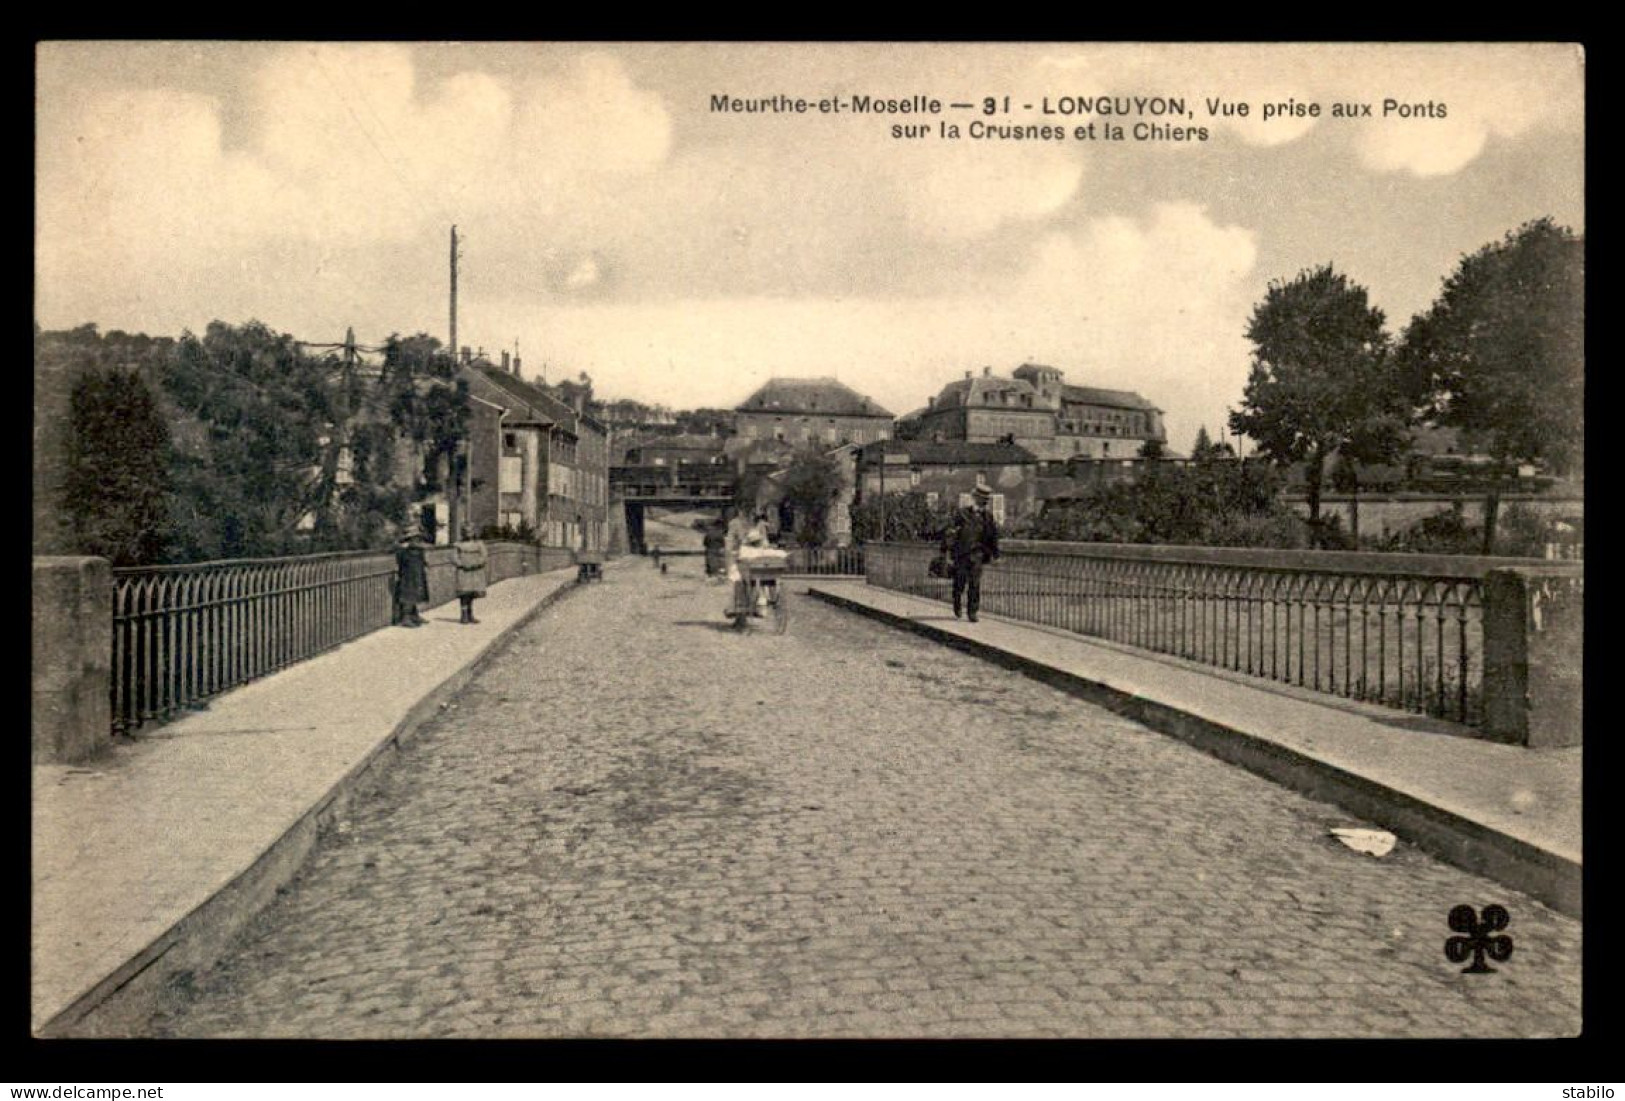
(1472, 846)
(127, 997)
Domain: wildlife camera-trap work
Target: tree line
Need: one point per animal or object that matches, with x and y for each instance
(242, 442)
(1499, 355)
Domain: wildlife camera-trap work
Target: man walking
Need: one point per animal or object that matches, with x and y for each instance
(971, 541)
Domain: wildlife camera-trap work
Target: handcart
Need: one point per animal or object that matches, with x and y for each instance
(763, 571)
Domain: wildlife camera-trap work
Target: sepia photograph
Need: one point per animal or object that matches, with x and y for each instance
(807, 541)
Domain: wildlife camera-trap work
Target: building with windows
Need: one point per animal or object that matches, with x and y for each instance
(536, 461)
(810, 411)
(1035, 409)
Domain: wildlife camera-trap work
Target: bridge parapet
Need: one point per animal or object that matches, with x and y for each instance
(123, 647)
(1489, 642)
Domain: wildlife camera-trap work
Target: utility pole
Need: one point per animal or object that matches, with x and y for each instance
(456, 516)
(454, 292)
(882, 445)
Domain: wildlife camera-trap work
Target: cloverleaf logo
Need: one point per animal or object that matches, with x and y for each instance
(1481, 937)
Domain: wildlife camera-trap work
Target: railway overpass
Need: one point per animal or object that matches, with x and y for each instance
(677, 485)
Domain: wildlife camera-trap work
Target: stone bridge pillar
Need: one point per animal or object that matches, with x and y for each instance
(71, 701)
(634, 527)
(1533, 657)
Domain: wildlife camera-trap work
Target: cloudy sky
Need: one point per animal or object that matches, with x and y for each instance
(614, 223)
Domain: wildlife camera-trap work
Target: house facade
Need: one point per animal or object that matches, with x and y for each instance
(817, 411)
(536, 461)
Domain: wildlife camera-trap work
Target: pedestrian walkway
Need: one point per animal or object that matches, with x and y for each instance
(638, 822)
(165, 844)
(1504, 811)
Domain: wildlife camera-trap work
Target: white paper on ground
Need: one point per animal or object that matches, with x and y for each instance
(1372, 842)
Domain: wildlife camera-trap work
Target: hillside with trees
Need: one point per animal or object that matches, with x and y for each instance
(240, 442)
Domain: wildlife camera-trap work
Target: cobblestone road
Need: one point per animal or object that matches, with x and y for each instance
(635, 823)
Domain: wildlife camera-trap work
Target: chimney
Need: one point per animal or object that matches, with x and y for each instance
(967, 376)
(505, 363)
(987, 372)
(468, 354)
(931, 402)
(516, 373)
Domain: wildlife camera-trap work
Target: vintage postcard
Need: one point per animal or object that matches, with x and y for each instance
(905, 540)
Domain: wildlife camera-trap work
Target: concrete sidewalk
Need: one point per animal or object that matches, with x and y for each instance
(1503, 811)
(161, 848)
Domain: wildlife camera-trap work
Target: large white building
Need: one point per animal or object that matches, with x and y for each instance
(1034, 408)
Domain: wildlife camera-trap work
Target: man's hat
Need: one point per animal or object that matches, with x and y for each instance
(982, 493)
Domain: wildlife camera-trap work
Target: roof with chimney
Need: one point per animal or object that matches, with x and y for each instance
(529, 404)
(822, 396)
(974, 390)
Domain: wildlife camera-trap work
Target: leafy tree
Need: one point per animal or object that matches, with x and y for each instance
(706, 421)
(100, 444)
(1153, 449)
(251, 472)
(427, 402)
(1212, 504)
(1204, 451)
(908, 517)
(1321, 378)
(1202, 446)
(237, 443)
(1501, 352)
(811, 484)
(117, 470)
(570, 390)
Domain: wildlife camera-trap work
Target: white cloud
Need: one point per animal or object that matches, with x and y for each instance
(343, 148)
(1488, 91)
(968, 189)
(584, 274)
(591, 119)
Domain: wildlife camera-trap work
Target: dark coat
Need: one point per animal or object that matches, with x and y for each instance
(411, 575)
(972, 537)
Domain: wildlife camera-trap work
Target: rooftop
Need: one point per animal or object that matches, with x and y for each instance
(531, 401)
(1115, 399)
(827, 396)
(974, 390)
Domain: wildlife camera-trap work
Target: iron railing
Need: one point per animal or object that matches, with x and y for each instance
(827, 561)
(182, 634)
(1400, 630)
